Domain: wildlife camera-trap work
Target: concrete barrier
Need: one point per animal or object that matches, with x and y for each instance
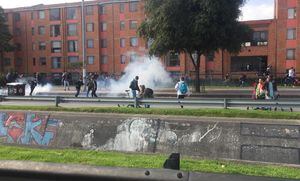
(244, 139)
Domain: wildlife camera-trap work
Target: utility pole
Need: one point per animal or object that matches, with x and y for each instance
(83, 45)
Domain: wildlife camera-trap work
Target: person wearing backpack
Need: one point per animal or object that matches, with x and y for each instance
(134, 86)
(182, 89)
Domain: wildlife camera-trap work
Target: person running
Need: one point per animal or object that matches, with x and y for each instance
(182, 90)
(134, 86)
(78, 85)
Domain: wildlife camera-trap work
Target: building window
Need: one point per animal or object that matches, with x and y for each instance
(134, 41)
(104, 59)
(133, 24)
(91, 60)
(72, 46)
(56, 46)
(33, 46)
(210, 56)
(103, 26)
(18, 47)
(90, 43)
(72, 29)
(122, 7)
(17, 17)
(42, 45)
(55, 14)
(103, 43)
(56, 62)
(260, 38)
(291, 34)
(42, 61)
(292, 13)
(291, 54)
(122, 42)
(122, 59)
(133, 57)
(19, 62)
(32, 31)
(7, 62)
(173, 59)
(17, 31)
(89, 10)
(41, 30)
(73, 59)
(54, 30)
(33, 61)
(90, 27)
(133, 6)
(122, 25)
(41, 14)
(102, 9)
(71, 13)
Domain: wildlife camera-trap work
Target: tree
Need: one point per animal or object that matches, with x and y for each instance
(5, 37)
(194, 27)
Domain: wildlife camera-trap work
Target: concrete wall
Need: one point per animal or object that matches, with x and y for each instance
(245, 139)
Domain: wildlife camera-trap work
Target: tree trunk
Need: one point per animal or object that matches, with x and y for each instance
(2, 62)
(197, 83)
(196, 64)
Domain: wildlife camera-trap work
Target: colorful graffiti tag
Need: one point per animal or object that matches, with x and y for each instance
(27, 128)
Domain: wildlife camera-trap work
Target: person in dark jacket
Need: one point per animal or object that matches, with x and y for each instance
(78, 85)
(32, 85)
(94, 87)
(134, 86)
(271, 88)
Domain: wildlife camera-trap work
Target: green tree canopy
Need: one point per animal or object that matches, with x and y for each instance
(195, 27)
(5, 37)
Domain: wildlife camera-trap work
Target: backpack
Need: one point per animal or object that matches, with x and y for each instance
(183, 88)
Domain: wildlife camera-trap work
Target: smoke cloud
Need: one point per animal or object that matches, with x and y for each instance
(151, 73)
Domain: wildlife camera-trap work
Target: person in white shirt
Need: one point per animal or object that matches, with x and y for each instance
(182, 89)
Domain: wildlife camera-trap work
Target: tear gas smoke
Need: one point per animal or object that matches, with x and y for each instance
(151, 73)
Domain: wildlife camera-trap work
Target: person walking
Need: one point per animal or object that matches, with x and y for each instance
(182, 90)
(94, 87)
(32, 85)
(134, 86)
(65, 80)
(78, 85)
(271, 88)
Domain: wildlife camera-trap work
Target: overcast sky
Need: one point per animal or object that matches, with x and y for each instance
(253, 10)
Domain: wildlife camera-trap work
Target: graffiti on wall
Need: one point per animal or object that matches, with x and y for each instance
(27, 128)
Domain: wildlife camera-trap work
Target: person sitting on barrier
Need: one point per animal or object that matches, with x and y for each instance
(145, 93)
(260, 90)
(182, 90)
(271, 88)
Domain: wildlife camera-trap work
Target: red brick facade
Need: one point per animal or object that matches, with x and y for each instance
(47, 41)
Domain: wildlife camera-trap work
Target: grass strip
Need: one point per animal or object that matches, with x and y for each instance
(233, 113)
(133, 160)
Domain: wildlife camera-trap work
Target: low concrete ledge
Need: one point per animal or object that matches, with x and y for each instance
(218, 138)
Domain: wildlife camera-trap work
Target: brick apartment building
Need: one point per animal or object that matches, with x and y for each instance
(49, 40)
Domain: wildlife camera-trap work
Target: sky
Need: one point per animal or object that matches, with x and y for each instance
(253, 9)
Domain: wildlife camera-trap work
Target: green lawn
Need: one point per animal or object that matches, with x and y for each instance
(174, 112)
(131, 160)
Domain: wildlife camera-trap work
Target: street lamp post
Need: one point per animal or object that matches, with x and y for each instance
(83, 45)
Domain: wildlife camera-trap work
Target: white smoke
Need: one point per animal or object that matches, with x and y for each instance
(151, 73)
(38, 89)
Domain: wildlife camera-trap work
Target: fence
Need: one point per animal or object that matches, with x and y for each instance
(203, 102)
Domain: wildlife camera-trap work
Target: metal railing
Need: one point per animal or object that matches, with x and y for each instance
(25, 171)
(203, 102)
